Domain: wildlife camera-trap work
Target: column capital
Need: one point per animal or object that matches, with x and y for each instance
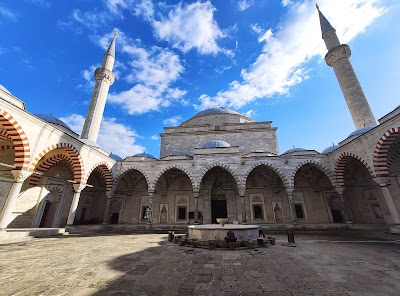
(78, 187)
(339, 190)
(21, 175)
(196, 194)
(382, 181)
(109, 193)
(289, 190)
(151, 192)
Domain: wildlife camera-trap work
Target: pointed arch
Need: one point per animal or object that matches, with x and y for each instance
(381, 161)
(272, 167)
(341, 164)
(19, 139)
(223, 166)
(46, 165)
(104, 169)
(73, 157)
(126, 170)
(188, 174)
(319, 165)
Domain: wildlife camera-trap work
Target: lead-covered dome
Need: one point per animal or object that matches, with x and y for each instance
(330, 149)
(146, 155)
(361, 131)
(53, 120)
(219, 110)
(294, 150)
(216, 144)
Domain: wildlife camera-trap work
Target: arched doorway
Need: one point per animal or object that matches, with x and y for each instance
(173, 199)
(314, 197)
(130, 201)
(219, 192)
(266, 200)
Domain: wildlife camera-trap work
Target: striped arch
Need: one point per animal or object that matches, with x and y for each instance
(19, 139)
(341, 164)
(381, 161)
(153, 185)
(104, 169)
(225, 167)
(126, 170)
(46, 165)
(272, 167)
(323, 168)
(73, 155)
(3, 135)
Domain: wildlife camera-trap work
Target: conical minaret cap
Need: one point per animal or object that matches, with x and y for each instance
(111, 49)
(325, 25)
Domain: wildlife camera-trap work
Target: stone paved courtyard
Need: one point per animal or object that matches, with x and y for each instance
(147, 264)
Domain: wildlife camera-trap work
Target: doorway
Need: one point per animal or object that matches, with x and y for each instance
(218, 209)
(49, 212)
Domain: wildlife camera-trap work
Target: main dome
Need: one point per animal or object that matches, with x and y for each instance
(219, 110)
(216, 144)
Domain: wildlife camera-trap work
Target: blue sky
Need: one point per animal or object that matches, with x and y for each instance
(263, 59)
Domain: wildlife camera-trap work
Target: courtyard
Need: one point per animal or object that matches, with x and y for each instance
(347, 263)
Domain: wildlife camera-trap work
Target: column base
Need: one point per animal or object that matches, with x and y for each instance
(394, 229)
(244, 223)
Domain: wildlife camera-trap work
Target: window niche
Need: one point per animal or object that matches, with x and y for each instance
(182, 209)
(299, 206)
(257, 207)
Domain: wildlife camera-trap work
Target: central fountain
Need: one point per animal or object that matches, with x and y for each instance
(217, 232)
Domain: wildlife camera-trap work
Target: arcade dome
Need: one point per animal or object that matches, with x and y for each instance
(216, 144)
(146, 155)
(219, 110)
(53, 120)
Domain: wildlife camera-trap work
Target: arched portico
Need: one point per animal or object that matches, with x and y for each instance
(363, 194)
(130, 200)
(314, 196)
(265, 196)
(173, 198)
(219, 195)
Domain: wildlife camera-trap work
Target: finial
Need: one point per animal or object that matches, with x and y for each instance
(333, 144)
(51, 113)
(294, 147)
(115, 34)
(316, 5)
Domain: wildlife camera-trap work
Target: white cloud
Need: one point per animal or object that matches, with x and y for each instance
(249, 113)
(153, 70)
(115, 6)
(244, 4)
(42, 3)
(8, 14)
(154, 137)
(283, 60)
(172, 121)
(89, 78)
(113, 137)
(191, 27)
(92, 20)
(286, 3)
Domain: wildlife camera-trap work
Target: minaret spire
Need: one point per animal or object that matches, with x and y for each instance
(104, 79)
(338, 58)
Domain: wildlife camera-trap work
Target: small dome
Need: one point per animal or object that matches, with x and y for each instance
(115, 157)
(294, 150)
(53, 120)
(330, 149)
(361, 131)
(216, 144)
(144, 155)
(219, 110)
(177, 153)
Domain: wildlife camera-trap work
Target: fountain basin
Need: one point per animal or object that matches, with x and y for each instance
(216, 232)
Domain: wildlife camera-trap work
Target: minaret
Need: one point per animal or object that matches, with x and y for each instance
(338, 58)
(104, 78)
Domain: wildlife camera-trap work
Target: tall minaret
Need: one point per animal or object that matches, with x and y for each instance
(104, 78)
(338, 58)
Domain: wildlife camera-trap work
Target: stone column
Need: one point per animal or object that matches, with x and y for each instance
(346, 207)
(384, 183)
(75, 200)
(106, 219)
(196, 207)
(151, 208)
(243, 207)
(291, 205)
(19, 177)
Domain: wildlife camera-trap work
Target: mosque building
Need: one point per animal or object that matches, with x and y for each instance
(219, 163)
